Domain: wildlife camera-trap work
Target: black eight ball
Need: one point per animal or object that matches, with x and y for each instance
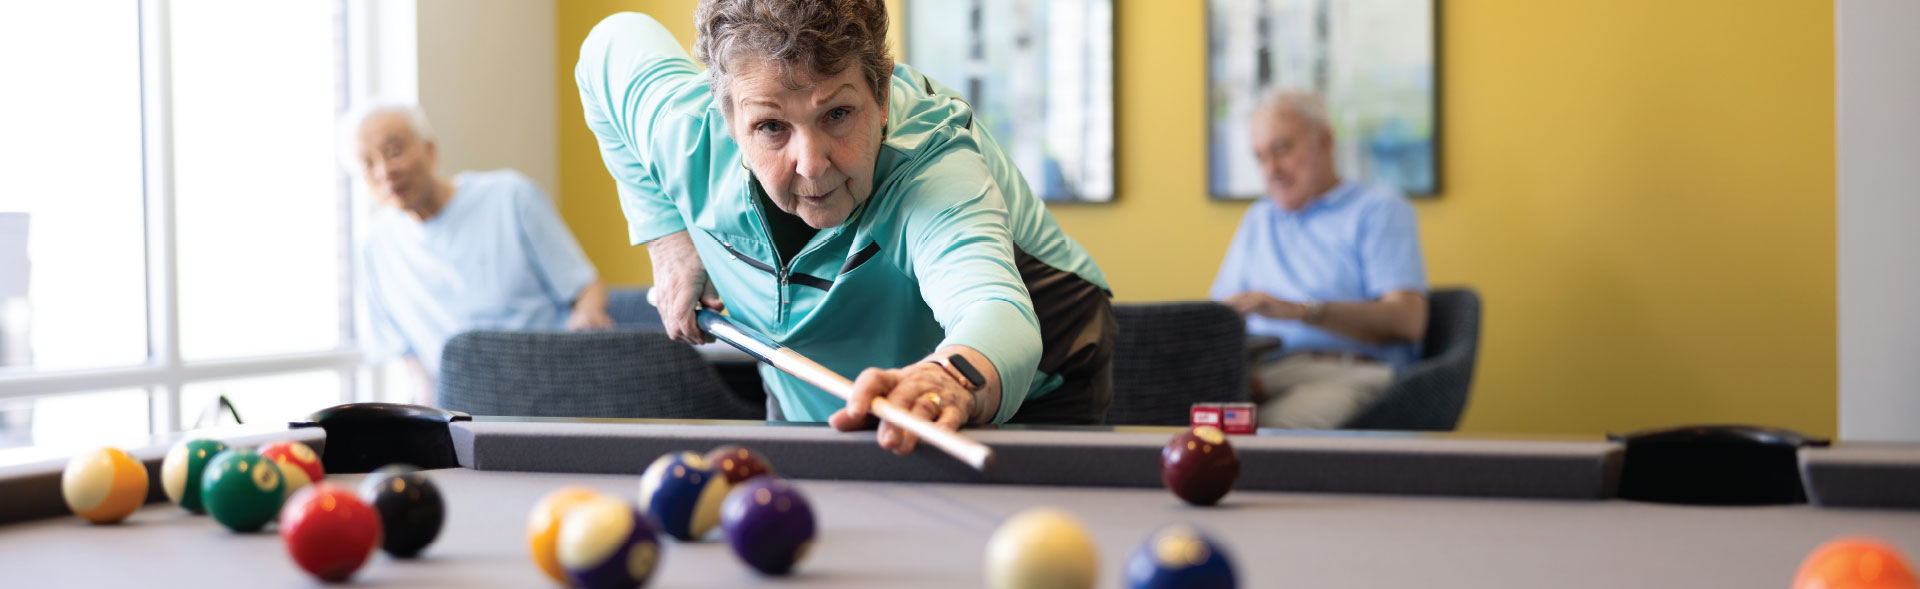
(410, 507)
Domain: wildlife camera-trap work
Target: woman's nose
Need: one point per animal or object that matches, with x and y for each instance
(812, 161)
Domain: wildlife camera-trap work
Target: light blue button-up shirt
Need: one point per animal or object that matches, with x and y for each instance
(496, 257)
(1357, 242)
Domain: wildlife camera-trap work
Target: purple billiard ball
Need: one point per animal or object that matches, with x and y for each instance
(1199, 466)
(768, 523)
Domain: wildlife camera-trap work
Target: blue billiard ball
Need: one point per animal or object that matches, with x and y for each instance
(1179, 556)
(768, 523)
(682, 493)
(607, 543)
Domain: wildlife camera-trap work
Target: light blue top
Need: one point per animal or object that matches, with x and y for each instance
(1357, 242)
(929, 260)
(496, 257)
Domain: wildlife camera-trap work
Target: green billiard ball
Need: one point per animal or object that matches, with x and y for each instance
(242, 489)
(180, 472)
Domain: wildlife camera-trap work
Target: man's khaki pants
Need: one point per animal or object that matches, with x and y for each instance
(1318, 391)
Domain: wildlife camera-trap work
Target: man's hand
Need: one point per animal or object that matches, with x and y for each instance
(924, 389)
(590, 309)
(679, 278)
(589, 320)
(1264, 305)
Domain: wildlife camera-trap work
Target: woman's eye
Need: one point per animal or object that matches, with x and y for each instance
(839, 113)
(769, 127)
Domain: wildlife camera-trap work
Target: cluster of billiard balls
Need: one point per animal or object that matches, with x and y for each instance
(581, 537)
(329, 531)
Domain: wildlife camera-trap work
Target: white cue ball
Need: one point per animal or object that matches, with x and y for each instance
(1041, 547)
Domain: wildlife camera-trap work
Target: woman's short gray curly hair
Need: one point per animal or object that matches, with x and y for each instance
(823, 37)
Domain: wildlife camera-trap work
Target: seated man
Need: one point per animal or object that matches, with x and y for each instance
(481, 250)
(1331, 267)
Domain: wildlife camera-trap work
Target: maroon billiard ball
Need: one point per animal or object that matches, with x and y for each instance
(1199, 466)
(738, 463)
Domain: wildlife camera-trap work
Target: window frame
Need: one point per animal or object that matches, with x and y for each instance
(166, 373)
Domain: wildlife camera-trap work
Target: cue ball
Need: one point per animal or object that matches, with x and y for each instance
(242, 490)
(1179, 556)
(328, 531)
(1199, 465)
(297, 461)
(682, 493)
(1855, 562)
(1041, 547)
(607, 543)
(738, 463)
(543, 527)
(181, 471)
(104, 485)
(768, 523)
(411, 510)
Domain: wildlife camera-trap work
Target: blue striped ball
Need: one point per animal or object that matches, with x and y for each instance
(682, 492)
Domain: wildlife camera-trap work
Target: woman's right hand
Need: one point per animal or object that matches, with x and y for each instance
(679, 278)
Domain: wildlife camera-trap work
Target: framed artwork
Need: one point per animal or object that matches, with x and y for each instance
(1372, 61)
(1039, 73)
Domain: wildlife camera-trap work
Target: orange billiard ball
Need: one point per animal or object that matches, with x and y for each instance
(1855, 562)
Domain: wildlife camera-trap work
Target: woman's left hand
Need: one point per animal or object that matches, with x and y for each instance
(923, 388)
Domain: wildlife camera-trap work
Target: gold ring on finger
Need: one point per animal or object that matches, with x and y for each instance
(938, 404)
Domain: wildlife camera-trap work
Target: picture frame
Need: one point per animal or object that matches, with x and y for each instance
(1039, 74)
(1374, 62)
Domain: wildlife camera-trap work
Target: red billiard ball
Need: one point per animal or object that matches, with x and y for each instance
(1199, 466)
(329, 531)
(738, 463)
(298, 462)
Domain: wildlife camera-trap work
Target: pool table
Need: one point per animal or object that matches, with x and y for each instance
(1352, 509)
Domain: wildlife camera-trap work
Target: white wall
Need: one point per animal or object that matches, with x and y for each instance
(486, 75)
(1878, 137)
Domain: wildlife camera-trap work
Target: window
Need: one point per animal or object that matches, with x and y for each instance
(175, 229)
(277, 398)
(72, 237)
(257, 193)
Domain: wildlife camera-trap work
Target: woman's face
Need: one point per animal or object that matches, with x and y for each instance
(813, 149)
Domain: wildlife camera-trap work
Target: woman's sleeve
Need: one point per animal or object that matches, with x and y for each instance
(963, 258)
(634, 80)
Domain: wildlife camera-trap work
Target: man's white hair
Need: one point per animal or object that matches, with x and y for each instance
(356, 117)
(1307, 105)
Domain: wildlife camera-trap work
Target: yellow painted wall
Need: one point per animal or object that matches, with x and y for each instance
(1642, 190)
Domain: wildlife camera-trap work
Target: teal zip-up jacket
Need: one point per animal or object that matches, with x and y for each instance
(933, 258)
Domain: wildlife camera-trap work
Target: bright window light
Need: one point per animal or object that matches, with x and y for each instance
(70, 140)
(257, 190)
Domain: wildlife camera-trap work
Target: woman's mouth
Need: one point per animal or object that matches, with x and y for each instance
(818, 198)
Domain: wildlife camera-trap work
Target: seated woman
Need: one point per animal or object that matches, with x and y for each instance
(849, 208)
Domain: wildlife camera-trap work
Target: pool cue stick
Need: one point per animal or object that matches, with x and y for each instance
(974, 454)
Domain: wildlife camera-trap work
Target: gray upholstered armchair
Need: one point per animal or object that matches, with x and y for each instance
(1171, 355)
(630, 310)
(590, 374)
(1431, 394)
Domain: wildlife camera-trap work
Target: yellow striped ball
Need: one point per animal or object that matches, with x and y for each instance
(104, 485)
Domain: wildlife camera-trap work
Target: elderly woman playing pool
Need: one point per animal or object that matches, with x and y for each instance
(849, 208)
